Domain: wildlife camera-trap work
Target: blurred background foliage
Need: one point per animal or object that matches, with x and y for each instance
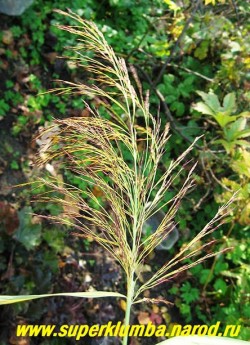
(193, 56)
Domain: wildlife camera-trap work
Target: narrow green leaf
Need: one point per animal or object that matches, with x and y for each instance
(245, 114)
(243, 143)
(88, 294)
(244, 134)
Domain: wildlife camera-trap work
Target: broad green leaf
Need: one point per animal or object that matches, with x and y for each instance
(227, 145)
(243, 143)
(220, 266)
(205, 276)
(244, 134)
(220, 286)
(179, 107)
(203, 108)
(224, 118)
(88, 294)
(203, 95)
(202, 340)
(28, 233)
(189, 81)
(202, 50)
(211, 100)
(245, 114)
(235, 130)
(190, 296)
(168, 78)
(229, 102)
(171, 98)
(228, 134)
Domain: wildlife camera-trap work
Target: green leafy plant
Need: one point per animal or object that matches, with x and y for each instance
(233, 153)
(233, 128)
(4, 108)
(94, 149)
(233, 131)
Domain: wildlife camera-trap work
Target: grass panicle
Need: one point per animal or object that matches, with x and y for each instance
(121, 159)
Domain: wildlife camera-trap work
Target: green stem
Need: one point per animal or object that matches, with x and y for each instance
(129, 302)
(130, 277)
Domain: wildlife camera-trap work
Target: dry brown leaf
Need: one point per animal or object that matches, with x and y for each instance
(51, 57)
(123, 304)
(97, 191)
(141, 270)
(155, 308)
(9, 217)
(14, 340)
(143, 318)
(70, 206)
(7, 37)
(85, 112)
